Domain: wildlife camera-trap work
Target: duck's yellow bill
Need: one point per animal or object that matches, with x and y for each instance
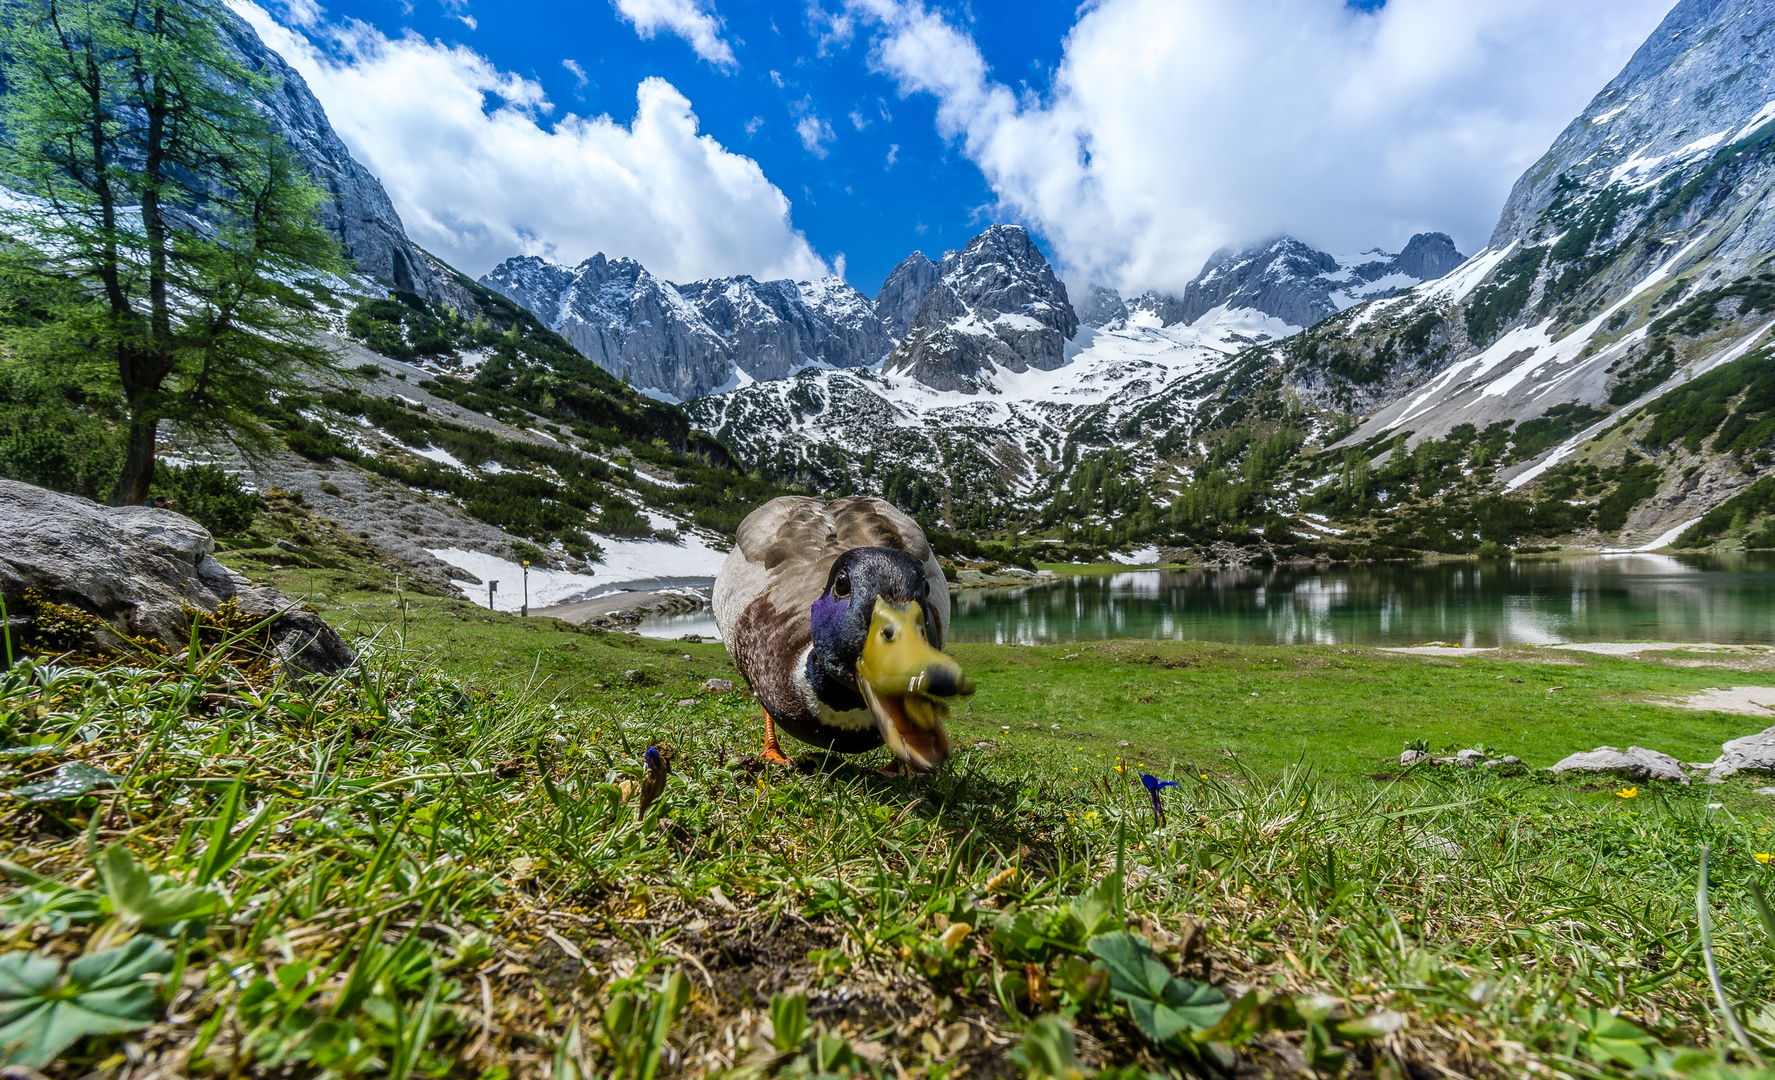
(905, 680)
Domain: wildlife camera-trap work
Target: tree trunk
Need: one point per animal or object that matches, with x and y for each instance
(138, 464)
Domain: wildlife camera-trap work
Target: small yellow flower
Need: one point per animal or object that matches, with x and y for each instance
(951, 937)
(1763, 857)
(1628, 792)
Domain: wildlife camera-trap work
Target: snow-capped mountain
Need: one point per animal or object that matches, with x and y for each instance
(1657, 197)
(995, 306)
(880, 430)
(683, 341)
(1630, 259)
(991, 429)
(1287, 280)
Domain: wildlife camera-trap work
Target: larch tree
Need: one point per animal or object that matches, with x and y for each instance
(159, 207)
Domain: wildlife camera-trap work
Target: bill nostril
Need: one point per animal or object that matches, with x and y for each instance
(940, 682)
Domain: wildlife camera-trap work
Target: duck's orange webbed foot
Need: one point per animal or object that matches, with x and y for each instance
(773, 754)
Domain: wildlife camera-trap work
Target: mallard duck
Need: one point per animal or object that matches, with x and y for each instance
(835, 613)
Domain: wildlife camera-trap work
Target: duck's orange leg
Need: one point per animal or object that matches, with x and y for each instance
(773, 754)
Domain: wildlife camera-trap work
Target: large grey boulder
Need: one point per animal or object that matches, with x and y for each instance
(137, 571)
(1752, 753)
(1635, 763)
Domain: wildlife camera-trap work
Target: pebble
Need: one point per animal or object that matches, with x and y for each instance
(1440, 845)
(717, 686)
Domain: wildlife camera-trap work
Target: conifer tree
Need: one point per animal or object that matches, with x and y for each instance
(149, 187)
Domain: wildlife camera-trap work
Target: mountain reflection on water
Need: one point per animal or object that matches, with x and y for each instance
(1719, 598)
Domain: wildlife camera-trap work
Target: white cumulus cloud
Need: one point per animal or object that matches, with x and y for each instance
(477, 177)
(685, 18)
(1172, 127)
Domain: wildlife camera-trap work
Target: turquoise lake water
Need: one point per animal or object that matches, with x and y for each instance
(1715, 598)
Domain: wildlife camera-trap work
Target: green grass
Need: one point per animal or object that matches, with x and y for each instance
(1346, 710)
(434, 866)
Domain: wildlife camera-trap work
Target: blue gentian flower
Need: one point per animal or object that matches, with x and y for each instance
(653, 781)
(1153, 784)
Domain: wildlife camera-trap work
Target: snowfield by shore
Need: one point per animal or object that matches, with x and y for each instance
(650, 564)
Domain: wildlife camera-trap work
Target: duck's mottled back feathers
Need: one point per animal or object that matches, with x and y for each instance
(781, 557)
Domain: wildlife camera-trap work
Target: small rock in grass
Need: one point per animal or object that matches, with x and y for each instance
(717, 686)
(1468, 758)
(1414, 757)
(1636, 762)
(1752, 753)
(1510, 759)
(634, 676)
(1440, 845)
(1492, 763)
(1766, 791)
(687, 701)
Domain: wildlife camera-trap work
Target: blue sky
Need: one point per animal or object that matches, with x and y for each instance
(1133, 136)
(848, 198)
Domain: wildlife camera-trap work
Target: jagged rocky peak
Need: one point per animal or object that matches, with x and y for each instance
(354, 206)
(1297, 283)
(996, 304)
(683, 341)
(896, 305)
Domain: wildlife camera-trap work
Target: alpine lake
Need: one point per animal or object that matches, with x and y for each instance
(1724, 598)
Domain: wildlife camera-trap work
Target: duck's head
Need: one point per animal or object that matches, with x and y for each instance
(873, 634)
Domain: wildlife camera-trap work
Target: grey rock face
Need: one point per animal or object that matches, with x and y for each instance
(775, 328)
(896, 305)
(1752, 753)
(356, 208)
(689, 340)
(1427, 256)
(1099, 306)
(1697, 85)
(996, 303)
(136, 569)
(1280, 278)
(1635, 763)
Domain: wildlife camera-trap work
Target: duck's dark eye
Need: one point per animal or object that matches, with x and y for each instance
(842, 587)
